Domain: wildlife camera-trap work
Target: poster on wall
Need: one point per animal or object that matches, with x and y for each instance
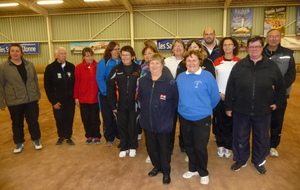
(98, 47)
(28, 48)
(241, 22)
(166, 44)
(275, 19)
(298, 22)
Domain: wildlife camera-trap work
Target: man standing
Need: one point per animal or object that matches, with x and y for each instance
(254, 88)
(283, 57)
(210, 44)
(59, 87)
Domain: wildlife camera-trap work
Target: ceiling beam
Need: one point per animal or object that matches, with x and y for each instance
(127, 4)
(36, 8)
(227, 3)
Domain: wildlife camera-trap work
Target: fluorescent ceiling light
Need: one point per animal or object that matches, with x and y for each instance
(48, 2)
(94, 0)
(9, 4)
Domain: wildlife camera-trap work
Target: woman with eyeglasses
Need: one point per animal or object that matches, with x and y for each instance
(222, 124)
(111, 58)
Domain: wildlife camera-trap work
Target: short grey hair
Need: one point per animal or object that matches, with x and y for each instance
(59, 48)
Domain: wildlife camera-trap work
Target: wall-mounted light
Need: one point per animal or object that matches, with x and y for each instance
(48, 2)
(8, 4)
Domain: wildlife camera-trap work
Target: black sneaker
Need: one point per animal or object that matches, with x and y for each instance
(60, 141)
(237, 166)
(70, 142)
(261, 169)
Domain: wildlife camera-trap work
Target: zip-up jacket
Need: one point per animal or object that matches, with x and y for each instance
(13, 91)
(158, 101)
(251, 89)
(215, 52)
(59, 83)
(121, 88)
(286, 63)
(86, 88)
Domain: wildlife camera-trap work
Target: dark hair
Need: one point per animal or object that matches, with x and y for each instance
(235, 43)
(155, 50)
(15, 45)
(110, 47)
(128, 49)
(255, 39)
(197, 53)
(87, 50)
(199, 44)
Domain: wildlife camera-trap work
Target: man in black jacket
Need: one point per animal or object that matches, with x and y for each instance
(284, 58)
(59, 86)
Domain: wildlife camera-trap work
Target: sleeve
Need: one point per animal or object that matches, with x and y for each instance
(77, 82)
(214, 92)
(49, 86)
(175, 94)
(100, 77)
(230, 91)
(290, 75)
(111, 89)
(279, 88)
(36, 81)
(2, 82)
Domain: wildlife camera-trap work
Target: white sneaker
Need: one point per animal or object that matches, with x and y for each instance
(204, 180)
(221, 151)
(37, 145)
(132, 153)
(148, 160)
(227, 153)
(188, 174)
(19, 148)
(186, 159)
(139, 137)
(273, 152)
(122, 154)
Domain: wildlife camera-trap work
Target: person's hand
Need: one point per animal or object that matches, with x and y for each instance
(273, 106)
(57, 106)
(77, 102)
(228, 113)
(115, 111)
(222, 96)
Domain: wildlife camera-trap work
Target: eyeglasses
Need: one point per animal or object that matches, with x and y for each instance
(255, 47)
(274, 36)
(225, 45)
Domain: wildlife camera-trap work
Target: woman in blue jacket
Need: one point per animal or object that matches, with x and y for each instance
(158, 97)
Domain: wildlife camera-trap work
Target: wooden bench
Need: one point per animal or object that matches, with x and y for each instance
(40, 68)
(298, 67)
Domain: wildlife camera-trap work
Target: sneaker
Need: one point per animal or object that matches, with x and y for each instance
(221, 151)
(96, 140)
(139, 137)
(60, 141)
(227, 153)
(237, 166)
(37, 145)
(261, 169)
(132, 153)
(188, 174)
(70, 142)
(89, 140)
(19, 147)
(148, 160)
(186, 159)
(108, 143)
(273, 152)
(204, 180)
(122, 154)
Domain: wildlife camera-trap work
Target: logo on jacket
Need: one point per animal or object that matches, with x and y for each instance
(69, 74)
(163, 97)
(59, 75)
(197, 82)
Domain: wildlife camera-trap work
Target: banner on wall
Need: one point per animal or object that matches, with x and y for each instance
(298, 22)
(166, 44)
(241, 22)
(98, 47)
(275, 19)
(28, 48)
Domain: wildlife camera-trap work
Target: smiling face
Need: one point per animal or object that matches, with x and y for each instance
(115, 53)
(126, 57)
(156, 67)
(194, 46)
(192, 63)
(228, 46)
(255, 50)
(209, 36)
(148, 53)
(15, 53)
(61, 55)
(88, 57)
(273, 38)
(178, 49)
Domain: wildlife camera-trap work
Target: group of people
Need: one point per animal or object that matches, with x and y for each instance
(199, 80)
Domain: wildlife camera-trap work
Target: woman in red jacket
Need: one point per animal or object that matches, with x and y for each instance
(86, 96)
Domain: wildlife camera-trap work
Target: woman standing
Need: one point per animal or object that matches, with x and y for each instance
(20, 92)
(121, 95)
(158, 97)
(86, 96)
(198, 95)
(111, 58)
(229, 48)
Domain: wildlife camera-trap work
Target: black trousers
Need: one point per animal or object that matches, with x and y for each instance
(64, 117)
(126, 121)
(222, 126)
(31, 113)
(90, 119)
(159, 150)
(195, 136)
(277, 117)
(109, 122)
